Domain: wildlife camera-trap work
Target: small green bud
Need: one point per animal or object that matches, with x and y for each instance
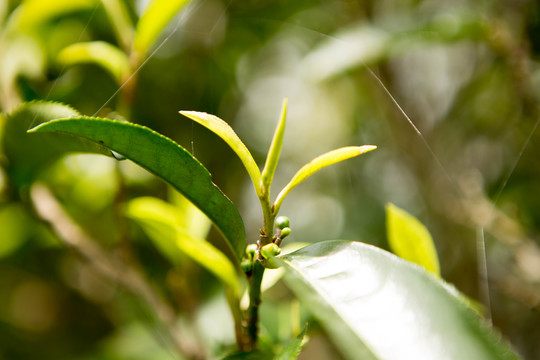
(268, 251)
(284, 233)
(282, 222)
(251, 249)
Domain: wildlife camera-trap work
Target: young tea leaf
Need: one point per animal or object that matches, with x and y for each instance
(101, 53)
(317, 164)
(225, 132)
(166, 159)
(410, 239)
(377, 306)
(275, 149)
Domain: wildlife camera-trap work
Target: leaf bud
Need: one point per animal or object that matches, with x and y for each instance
(282, 222)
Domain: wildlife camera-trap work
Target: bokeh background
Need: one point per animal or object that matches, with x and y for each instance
(464, 159)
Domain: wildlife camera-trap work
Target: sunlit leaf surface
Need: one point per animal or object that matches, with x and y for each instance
(225, 132)
(166, 159)
(378, 306)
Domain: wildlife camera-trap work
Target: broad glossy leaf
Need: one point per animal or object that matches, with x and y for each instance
(101, 53)
(275, 149)
(317, 164)
(28, 154)
(410, 239)
(224, 131)
(166, 159)
(153, 21)
(160, 221)
(378, 306)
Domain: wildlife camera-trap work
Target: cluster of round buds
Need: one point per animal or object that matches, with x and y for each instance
(282, 223)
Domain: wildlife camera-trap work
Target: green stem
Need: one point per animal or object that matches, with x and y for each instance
(252, 324)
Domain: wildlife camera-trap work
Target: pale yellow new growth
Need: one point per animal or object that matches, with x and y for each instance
(225, 132)
(317, 164)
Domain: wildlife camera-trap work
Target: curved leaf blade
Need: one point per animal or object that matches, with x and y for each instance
(317, 164)
(166, 159)
(160, 221)
(410, 239)
(227, 134)
(378, 306)
(101, 53)
(153, 21)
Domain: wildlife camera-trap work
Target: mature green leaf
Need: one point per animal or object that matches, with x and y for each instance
(224, 131)
(28, 154)
(153, 21)
(317, 164)
(378, 306)
(410, 239)
(275, 149)
(166, 159)
(160, 221)
(293, 349)
(101, 53)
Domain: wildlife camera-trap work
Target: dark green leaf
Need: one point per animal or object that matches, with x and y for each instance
(166, 159)
(378, 306)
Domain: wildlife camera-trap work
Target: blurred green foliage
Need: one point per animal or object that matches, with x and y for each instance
(467, 74)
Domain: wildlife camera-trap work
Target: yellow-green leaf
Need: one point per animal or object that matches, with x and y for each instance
(410, 239)
(101, 53)
(35, 12)
(317, 164)
(275, 149)
(153, 21)
(160, 222)
(225, 132)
